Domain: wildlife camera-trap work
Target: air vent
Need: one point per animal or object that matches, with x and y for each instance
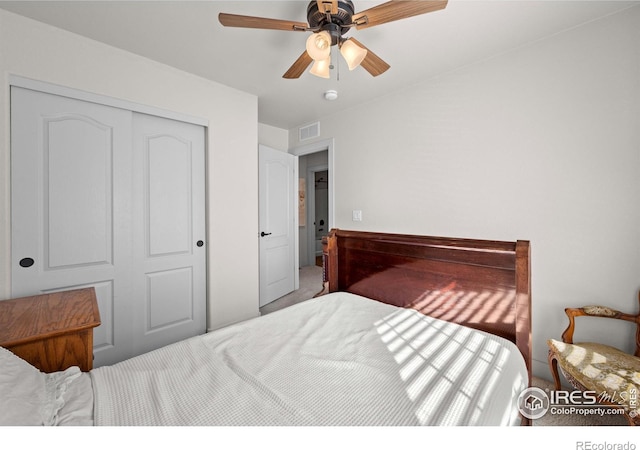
(309, 131)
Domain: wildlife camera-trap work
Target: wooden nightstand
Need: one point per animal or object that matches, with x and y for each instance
(51, 331)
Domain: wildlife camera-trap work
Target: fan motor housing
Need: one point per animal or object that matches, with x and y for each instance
(340, 22)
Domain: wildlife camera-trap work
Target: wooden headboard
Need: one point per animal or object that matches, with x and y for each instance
(481, 284)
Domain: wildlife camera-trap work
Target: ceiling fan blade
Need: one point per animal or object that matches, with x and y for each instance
(299, 66)
(330, 6)
(235, 20)
(396, 10)
(372, 63)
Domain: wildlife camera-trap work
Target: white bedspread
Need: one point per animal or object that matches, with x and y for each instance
(335, 360)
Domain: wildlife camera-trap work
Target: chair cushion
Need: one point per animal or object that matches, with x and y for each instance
(602, 369)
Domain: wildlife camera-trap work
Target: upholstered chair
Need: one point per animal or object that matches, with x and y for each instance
(612, 374)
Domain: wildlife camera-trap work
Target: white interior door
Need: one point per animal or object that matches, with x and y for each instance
(70, 182)
(169, 231)
(89, 211)
(278, 203)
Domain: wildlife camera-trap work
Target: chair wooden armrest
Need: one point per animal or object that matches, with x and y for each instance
(600, 311)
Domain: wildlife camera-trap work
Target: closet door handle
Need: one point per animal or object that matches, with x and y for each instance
(26, 262)
(263, 234)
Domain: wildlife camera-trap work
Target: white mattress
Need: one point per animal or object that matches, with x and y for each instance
(335, 360)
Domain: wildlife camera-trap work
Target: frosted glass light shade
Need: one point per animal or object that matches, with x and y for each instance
(321, 68)
(319, 45)
(353, 54)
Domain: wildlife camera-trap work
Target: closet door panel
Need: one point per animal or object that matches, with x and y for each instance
(71, 206)
(169, 239)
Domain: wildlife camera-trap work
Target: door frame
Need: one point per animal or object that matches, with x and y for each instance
(77, 94)
(327, 145)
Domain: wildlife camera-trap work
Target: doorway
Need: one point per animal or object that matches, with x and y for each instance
(317, 158)
(317, 213)
(316, 162)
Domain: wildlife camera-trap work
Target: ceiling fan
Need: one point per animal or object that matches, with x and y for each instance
(329, 20)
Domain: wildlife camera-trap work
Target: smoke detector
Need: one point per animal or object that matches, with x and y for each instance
(331, 95)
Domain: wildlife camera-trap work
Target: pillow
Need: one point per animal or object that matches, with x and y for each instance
(28, 396)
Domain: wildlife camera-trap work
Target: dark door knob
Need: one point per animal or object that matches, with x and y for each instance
(26, 262)
(200, 243)
(263, 234)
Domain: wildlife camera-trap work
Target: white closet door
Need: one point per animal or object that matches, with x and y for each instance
(95, 203)
(169, 234)
(71, 165)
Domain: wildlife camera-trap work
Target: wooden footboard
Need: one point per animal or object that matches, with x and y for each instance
(477, 283)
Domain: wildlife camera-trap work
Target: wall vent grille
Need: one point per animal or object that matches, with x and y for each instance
(309, 131)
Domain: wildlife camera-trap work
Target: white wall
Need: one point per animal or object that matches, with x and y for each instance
(274, 137)
(33, 50)
(541, 144)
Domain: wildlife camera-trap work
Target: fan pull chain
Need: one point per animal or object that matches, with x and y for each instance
(337, 59)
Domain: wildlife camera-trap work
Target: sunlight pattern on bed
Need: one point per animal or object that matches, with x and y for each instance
(451, 372)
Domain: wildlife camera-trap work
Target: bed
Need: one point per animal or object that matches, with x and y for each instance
(407, 330)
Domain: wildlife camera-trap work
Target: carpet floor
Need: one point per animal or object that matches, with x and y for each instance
(310, 285)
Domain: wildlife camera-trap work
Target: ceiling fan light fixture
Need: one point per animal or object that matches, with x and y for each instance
(319, 45)
(352, 53)
(321, 68)
(329, 20)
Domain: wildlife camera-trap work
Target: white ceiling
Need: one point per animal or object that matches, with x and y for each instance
(187, 35)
